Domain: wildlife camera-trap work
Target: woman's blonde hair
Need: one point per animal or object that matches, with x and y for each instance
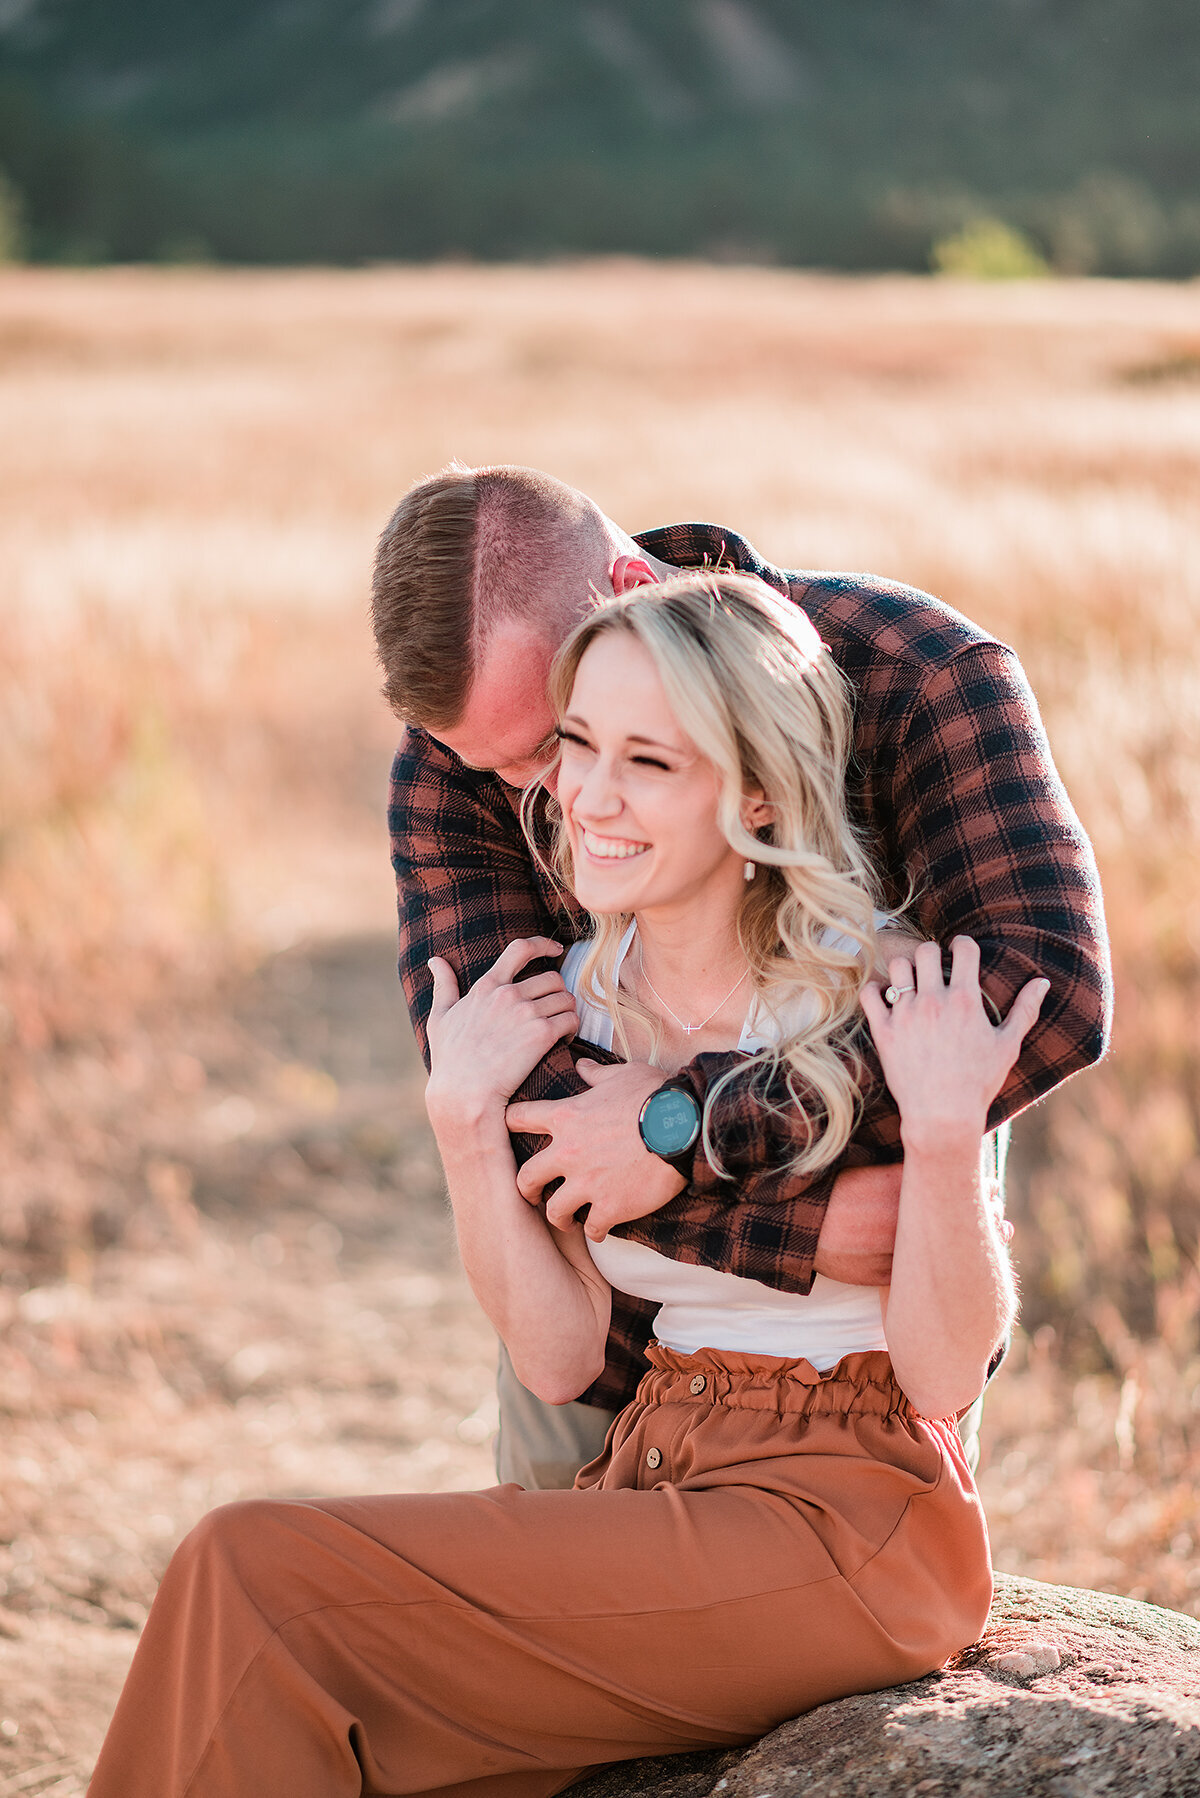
(753, 687)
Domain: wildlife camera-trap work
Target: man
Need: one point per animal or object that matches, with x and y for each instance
(480, 576)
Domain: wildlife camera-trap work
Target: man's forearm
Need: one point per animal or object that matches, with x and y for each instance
(858, 1234)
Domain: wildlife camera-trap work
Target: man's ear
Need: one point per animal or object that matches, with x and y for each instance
(628, 572)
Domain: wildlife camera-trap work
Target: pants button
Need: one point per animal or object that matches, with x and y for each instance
(697, 1384)
(653, 1457)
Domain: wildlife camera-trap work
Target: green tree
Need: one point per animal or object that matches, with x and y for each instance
(987, 249)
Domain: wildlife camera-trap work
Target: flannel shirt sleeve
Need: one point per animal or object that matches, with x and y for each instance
(985, 831)
(753, 1218)
(464, 880)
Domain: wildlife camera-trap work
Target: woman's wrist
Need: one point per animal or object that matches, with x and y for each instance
(460, 1110)
(941, 1141)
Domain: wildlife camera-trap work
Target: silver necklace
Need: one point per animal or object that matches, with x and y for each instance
(690, 1029)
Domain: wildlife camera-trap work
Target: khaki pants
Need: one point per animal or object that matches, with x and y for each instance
(757, 1539)
(542, 1447)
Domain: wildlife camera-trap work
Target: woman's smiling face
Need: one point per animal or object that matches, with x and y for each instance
(639, 801)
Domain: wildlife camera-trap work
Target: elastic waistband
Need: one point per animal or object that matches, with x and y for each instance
(861, 1383)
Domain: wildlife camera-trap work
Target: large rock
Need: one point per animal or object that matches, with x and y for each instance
(1069, 1694)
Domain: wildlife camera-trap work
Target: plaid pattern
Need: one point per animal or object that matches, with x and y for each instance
(954, 784)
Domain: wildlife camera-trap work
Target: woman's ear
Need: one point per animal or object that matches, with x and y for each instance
(756, 811)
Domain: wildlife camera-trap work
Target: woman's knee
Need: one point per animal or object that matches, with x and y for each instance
(229, 1528)
(252, 1544)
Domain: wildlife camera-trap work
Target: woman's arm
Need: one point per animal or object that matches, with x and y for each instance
(538, 1286)
(952, 1296)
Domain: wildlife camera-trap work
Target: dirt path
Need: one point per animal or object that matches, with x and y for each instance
(294, 1322)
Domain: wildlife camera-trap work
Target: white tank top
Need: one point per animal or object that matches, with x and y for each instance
(701, 1307)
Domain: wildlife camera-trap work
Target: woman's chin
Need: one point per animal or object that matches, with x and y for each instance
(608, 889)
(607, 898)
(605, 905)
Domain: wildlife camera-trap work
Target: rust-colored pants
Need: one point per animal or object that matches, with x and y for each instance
(757, 1538)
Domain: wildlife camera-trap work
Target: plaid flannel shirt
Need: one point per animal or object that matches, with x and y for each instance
(952, 781)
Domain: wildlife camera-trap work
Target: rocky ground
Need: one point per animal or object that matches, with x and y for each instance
(1069, 1694)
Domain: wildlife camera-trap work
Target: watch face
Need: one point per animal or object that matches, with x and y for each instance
(670, 1123)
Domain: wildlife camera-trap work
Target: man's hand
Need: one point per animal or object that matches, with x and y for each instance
(595, 1150)
(859, 1231)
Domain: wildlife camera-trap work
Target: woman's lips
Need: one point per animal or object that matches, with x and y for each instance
(611, 849)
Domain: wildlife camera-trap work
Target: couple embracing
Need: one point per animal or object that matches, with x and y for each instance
(739, 910)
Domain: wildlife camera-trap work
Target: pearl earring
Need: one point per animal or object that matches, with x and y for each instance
(749, 871)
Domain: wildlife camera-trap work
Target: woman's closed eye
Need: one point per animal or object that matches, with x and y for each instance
(575, 744)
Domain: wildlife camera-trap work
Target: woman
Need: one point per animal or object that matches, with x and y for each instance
(783, 1515)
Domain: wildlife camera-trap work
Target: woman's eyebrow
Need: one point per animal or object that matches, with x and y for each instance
(657, 743)
(646, 742)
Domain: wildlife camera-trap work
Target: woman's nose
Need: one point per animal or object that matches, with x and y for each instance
(598, 795)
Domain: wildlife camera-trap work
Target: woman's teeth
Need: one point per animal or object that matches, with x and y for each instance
(612, 849)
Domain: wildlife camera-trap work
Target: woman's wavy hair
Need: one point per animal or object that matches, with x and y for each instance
(754, 688)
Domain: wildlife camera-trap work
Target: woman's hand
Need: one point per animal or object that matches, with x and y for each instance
(483, 1045)
(952, 1295)
(943, 1058)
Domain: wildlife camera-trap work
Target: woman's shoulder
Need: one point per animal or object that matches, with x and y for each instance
(595, 1022)
(572, 965)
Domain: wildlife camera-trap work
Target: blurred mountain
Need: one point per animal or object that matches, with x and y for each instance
(850, 134)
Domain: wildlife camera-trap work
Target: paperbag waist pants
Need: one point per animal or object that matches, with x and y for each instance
(756, 1539)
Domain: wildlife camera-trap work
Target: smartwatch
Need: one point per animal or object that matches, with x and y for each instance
(669, 1123)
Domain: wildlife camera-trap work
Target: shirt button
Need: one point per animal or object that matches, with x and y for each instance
(653, 1457)
(698, 1383)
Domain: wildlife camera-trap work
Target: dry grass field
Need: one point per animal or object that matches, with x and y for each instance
(226, 1265)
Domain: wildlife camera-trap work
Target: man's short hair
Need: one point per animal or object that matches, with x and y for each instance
(460, 553)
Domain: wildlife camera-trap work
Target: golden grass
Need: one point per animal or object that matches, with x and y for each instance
(193, 471)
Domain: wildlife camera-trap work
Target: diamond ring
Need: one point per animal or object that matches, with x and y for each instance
(892, 993)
